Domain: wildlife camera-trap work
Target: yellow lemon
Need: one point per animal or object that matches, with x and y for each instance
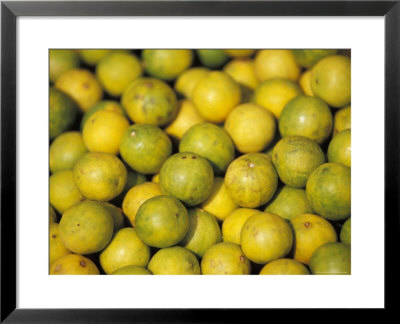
(251, 127)
(103, 131)
(215, 95)
(74, 264)
(274, 94)
(276, 63)
(92, 56)
(309, 57)
(187, 80)
(57, 248)
(339, 149)
(284, 266)
(103, 104)
(305, 83)
(238, 53)
(233, 224)
(220, 203)
(342, 120)
(156, 178)
(242, 71)
(61, 60)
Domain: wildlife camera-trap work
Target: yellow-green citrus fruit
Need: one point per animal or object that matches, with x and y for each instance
(307, 58)
(306, 116)
(62, 112)
(101, 105)
(345, 232)
(63, 191)
(116, 213)
(211, 142)
(220, 203)
(212, 58)
(188, 177)
(167, 64)
(57, 248)
(52, 215)
(274, 63)
(150, 101)
(133, 178)
(162, 221)
(125, 248)
(136, 196)
(284, 266)
(103, 131)
(329, 191)
(242, 71)
(92, 56)
(295, 158)
(215, 95)
(225, 258)
(305, 83)
(251, 127)
(174, 260)
(145, 148)
(61, 60)
(233, 224)
(289, 202)
(203, 232)
(239, 53)
(117, 70)
(66, 149)
(187, 80)
(331, 259)
(310, 232)
(86, 227)
(274, 94)
(186, 118)
(82, 86)
(331, 80)
(251, 180)
(100, 176)
(266, 237)
(339, 149)
(342, 120)
(74, 264)
(132, 270)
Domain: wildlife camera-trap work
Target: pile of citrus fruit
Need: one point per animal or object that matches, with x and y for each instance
(208, 161)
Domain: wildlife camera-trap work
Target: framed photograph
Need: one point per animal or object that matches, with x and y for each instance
(365, 33)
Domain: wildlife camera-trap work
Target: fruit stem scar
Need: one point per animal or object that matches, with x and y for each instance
(307, 224)
(82, 263)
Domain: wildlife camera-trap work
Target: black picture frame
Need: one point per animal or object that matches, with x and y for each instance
(10, 10)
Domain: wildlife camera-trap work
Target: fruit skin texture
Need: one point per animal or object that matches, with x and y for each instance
(289, 202)
(109, 105)
(306, 116)
(74, 264)
(117, 70)
(345, 232)
(329, 191)
(187, 80)
(342, 120)
(61, 60)
(100, 176)
(82, 86)
(310, 232)
(65, 151)
(56, 246)
(242, 71)
(174, 260)
(212, 58)
(239, 53)
(275, 93)
(150, 101)
(136, 196)
(92, 56)
(284, 267)
(309, 57)
(63, 191)
(220, 203)
(62, 112)
(116, 213)
(331, 259)
(273, 63)
(225, 258)
(266, 237)
(211, 142)
(103, 131)
(215, 95)
(132, 270)
(188, 177)
(339, 149)
(167, 64)
(162, 221)
(233, 224)
(251, 180)
(251, 127)
(145, 148)
(295, 158)
(305, 83)
(203, 232)
(86, 227)
(133, 179)
(125, 248)
(331, 80)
